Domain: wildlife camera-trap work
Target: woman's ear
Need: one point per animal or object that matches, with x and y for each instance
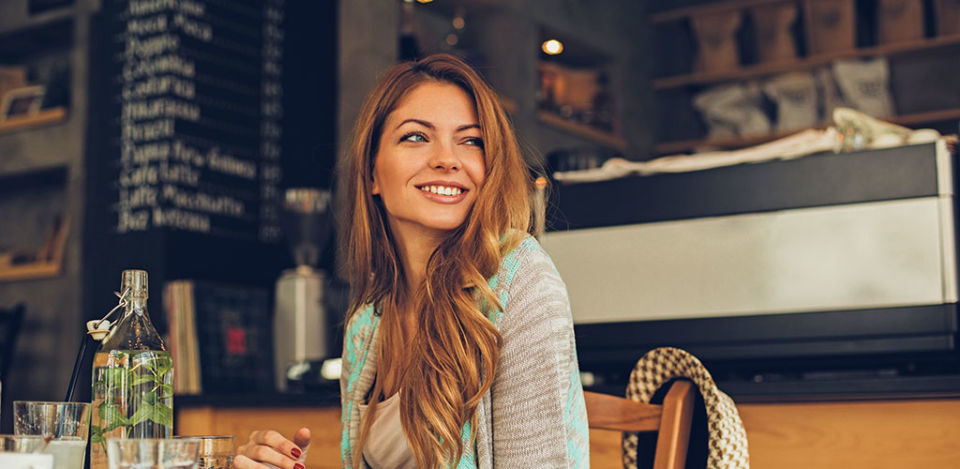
(374, 187)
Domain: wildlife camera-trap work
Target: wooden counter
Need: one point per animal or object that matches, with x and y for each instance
(892, 434)
(324, 424)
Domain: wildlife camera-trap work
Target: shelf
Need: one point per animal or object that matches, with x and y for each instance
(681, 13)
(926, 117)
(30, 271)
(584, 131)
(759, 70)
(682, 146)
(19, 23)
(48, 258)
(30, 178)
(44, 117)
(24, 41)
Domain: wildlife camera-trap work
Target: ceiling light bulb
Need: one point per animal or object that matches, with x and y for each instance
(552, 47)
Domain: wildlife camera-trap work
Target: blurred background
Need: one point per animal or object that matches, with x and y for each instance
(198, 140)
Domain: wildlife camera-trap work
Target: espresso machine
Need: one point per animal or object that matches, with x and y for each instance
(300, 322)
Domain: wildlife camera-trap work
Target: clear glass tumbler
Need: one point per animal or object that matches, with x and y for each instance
(152, 453)
(67, 424)
(22, 443)
(216, 451)
(22, 452)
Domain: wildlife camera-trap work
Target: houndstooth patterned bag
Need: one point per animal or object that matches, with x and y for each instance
(727, 445)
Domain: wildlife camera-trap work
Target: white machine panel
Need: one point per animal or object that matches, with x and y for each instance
(877, 254)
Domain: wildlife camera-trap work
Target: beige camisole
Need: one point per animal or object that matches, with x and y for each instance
(386, 446)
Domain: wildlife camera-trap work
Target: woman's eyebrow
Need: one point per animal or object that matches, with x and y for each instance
(417, 121)
(432, 127)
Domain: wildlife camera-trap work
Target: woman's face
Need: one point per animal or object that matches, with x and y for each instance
(430, 164)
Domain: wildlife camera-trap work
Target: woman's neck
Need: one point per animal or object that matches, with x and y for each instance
(415, 248)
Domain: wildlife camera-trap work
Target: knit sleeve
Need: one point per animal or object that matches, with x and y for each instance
(345, 369)
(539, 418)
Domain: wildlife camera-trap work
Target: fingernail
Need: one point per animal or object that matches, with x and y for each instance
(298, 466)
(296, 453)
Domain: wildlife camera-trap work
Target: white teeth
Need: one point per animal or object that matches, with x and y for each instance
(442, 190)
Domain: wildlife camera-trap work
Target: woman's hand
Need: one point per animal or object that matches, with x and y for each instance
(270, 449)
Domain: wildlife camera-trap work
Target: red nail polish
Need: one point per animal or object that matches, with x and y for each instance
(296, 453)
(298, 466)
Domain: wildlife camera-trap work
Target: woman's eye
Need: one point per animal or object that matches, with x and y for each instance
(475, 141)
(414, 137)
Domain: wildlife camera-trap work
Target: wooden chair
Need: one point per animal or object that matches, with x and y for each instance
(671, 420)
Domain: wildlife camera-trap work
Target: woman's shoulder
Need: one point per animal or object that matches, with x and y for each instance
(527, 258)
(526, 281)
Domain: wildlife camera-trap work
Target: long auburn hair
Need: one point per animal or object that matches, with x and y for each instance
(453, 360)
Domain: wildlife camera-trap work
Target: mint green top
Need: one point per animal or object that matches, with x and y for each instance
(534, 414)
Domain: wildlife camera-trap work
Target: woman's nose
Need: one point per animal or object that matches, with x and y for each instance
(445, 158)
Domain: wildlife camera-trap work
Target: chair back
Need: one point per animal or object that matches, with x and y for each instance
(670, 420)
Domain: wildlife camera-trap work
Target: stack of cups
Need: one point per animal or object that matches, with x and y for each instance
(53, 435)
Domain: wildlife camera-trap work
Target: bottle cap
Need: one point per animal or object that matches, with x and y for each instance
(136, 281)
(98, 329)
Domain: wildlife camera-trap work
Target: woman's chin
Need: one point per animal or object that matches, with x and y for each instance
(444, 226)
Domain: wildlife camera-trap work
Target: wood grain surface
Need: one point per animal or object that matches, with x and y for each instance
(839, 435)
(901, 434)
(324, 424)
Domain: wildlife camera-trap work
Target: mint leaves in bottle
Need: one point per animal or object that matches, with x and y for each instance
(132, 377)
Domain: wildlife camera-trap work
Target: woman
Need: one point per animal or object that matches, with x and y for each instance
(459, 347)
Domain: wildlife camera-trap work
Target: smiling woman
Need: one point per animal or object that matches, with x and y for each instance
(458, 348)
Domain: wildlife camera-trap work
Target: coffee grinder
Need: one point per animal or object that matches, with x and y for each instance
(300, 322)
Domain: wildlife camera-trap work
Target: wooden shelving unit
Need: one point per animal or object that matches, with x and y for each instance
(760, 70)
(687, 83)
(681, 146)
(584, 131)
(49, 257)
(44, 117)
(681, 13)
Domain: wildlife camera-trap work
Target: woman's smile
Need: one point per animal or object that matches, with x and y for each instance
(443, 192)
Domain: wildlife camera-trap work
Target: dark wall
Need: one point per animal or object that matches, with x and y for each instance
(95, 254)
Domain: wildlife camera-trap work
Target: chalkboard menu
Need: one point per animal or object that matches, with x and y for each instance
(199, 113)
(197, 134)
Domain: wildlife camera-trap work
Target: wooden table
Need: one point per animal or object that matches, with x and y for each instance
(894, 434)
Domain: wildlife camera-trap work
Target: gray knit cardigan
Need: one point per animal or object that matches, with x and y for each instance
(534, 414)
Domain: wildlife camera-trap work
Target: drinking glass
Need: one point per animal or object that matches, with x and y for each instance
(21, 452)
(152, 453)
(216, 451)
(21, 443)
(9, 460)
(67, 424)
(57, 419)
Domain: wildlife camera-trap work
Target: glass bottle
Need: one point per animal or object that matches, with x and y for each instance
(132, 376)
